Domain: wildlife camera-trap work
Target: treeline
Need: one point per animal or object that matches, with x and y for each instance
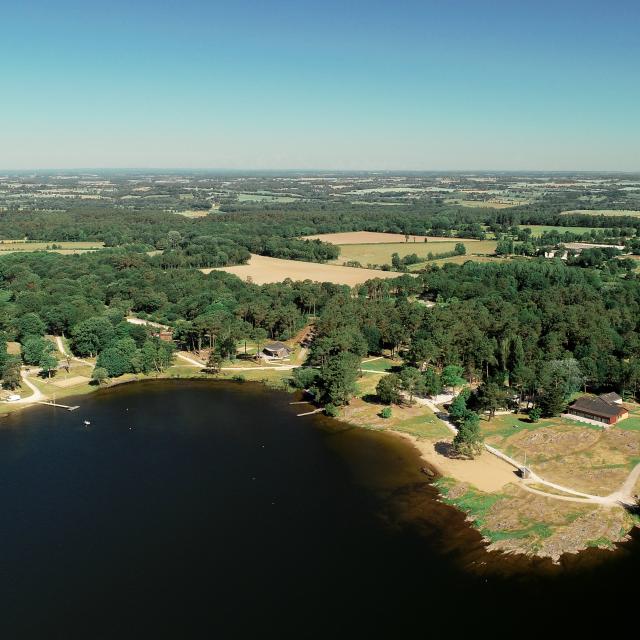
(533, 331)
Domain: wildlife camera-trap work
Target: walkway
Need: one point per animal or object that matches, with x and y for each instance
(37, 395)
(618, 498)
(65, 352)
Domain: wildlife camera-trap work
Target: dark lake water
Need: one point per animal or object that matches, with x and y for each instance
(209, 510)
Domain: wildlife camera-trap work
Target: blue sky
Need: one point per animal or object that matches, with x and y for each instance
(346, 85)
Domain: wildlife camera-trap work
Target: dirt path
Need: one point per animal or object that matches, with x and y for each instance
(617, 498)
(37, 395)
(65, 352)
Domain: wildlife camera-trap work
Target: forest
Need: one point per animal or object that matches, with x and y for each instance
(538, 329)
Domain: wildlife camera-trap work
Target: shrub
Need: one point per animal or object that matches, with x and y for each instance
(331, 410)
(386, 412)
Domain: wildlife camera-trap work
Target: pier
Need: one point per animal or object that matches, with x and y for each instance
(57, 404)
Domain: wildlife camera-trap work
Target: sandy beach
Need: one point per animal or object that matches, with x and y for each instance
(486, 472)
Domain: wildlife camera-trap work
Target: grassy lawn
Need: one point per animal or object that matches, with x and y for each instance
(415, 419)
(382, 364)
(632, 423)
(577, 455)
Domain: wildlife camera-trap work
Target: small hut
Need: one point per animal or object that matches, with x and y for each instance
(276, 350)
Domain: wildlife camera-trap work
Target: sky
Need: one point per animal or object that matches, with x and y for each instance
(349, 84)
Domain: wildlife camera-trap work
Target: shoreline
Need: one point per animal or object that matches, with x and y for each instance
(455, 480)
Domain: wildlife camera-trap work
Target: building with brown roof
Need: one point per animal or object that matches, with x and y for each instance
(606, 409)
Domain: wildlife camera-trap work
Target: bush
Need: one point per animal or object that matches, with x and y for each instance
(386, 412)
(304, 377)
(535, 414)
(331, 410)
(238, 378)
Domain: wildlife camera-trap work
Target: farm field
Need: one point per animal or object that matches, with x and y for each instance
(381, 253)
(582, 456)
(486, 204)
(538, 229)
(14, 246)
(263, 197)
(371, 237)
(263, 270)
(461, 260)
(603, 212)
(194, 214)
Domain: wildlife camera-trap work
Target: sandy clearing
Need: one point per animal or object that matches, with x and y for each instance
(71, 382)
(486, 472)
(263, 270)
(375, 237)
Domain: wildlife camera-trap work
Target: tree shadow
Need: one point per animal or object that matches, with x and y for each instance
(445, 449)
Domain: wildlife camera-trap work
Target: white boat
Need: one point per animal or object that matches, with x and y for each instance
(87, 423)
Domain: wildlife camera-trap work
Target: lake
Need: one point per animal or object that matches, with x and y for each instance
(193, 509)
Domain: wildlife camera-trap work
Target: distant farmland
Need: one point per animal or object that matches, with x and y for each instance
(263, 270)
(381, 253)
(15, 246)
(538, 229)
(370, 237)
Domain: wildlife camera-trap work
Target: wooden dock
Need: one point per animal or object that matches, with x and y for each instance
(57, 404)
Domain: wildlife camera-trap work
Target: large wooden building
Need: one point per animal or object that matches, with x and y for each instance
(606, 409)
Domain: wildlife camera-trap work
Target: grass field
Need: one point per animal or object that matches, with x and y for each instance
(459, 260)
(578, 455)
(603, 212)
(380, 254)
(371, 237)
(263, 270)
(538, 230)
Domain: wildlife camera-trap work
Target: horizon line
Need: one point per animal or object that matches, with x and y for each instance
(316, 170)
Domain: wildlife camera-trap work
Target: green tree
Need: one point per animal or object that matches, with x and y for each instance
(432, 384)
(491, 397)
(11, 377)
(337, 381)
(388, 389)
(412, 382)
(451, 377)
(99, 375)
(304, 377)
(468, 441)
(552, 401)
(91, 336)
(34, 348)
(458, 409)
(31, 325)
(48, 363)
